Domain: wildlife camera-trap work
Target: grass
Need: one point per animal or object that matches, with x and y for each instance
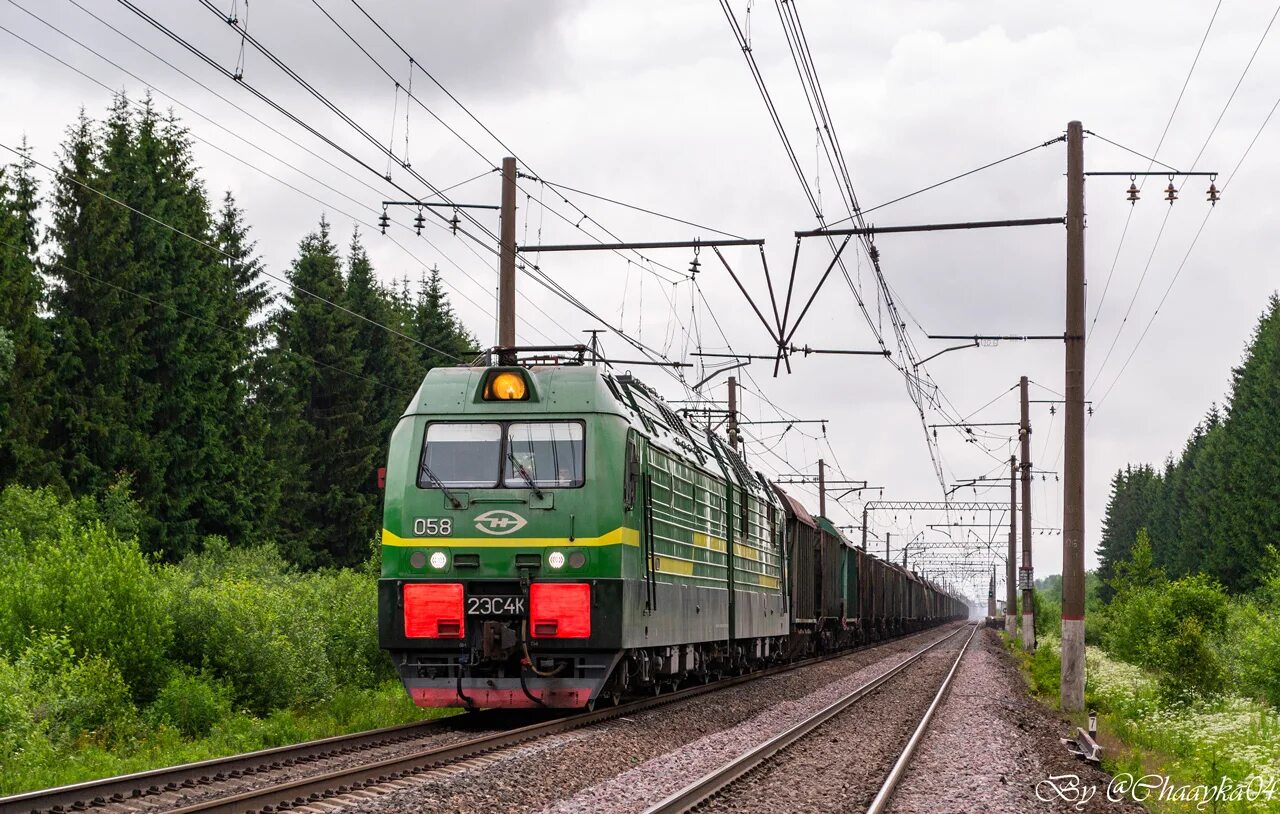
(41, 765)
(1194, 741)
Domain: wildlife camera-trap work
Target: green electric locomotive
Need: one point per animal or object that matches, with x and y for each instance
(557, 535)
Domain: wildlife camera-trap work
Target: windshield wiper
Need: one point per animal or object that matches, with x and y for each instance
(524, 473)
(453, 500)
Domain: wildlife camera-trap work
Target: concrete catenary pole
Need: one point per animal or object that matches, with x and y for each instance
(1011, 561)
(991, 595)
(864, 527)
(1026, 575)
(733, 412)
(507, 265)
(1072, 696)
(822, 492)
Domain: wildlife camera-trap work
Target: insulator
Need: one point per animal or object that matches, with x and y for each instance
(1171, 193)
(1214, 194)
(1133, 193)
(694, 266)
(384, 221)
(454, 222)
(419, 221)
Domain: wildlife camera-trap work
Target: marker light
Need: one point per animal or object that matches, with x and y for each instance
(560, 610)
(433, 610)
(555, 559)
(505, 385)
(439, 560)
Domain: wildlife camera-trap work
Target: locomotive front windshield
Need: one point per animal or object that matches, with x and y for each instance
(550, 453)
(544, 454)
(459, 454)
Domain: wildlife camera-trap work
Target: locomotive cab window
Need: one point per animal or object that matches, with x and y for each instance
(632, 474)
(460, 454)
(546, 454)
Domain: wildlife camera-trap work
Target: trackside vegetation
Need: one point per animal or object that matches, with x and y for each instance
(112, 661)
(189, 446)
(1183, 616)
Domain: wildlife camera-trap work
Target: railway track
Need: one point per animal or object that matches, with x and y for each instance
(715, 782)
(148, 788)
(881, 801)
(344, 783)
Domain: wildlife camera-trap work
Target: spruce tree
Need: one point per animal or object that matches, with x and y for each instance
(385, 358)
(145, 324)
(24, 399)
(318, 397)
(444, 339)
(95, 320)
(1248, 509)
(257, 490)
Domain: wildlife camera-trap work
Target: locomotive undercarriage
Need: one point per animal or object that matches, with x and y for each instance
(496, 673)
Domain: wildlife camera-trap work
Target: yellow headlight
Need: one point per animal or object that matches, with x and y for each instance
(506, 386)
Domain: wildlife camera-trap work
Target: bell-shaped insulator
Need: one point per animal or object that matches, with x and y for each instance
(694, 266)
(418, 222)
(1214, 194)
(1171, 193)
(454, 222)
(1133, 193)
(384, 221)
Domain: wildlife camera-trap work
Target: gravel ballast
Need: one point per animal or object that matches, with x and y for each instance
(576, 771)
(840, 765)
(990, 746)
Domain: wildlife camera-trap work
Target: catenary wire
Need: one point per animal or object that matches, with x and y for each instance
(1151, 162)
(211, 247)
(249, 142)
(205, 321)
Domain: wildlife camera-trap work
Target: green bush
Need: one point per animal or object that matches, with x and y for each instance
(31, 514)
(1045, 669)
(254, 636)
(1048, 613)
(98, 588)
(90, 698)
(219, 560)
(1171, 629)
(69, 697)
(1189, 666)
(27, 515)
(191, 704)
(346, 611)
(17, 708)
(1252, 648)
(230, 650)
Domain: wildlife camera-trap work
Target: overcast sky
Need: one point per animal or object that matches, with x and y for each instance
(652, 104)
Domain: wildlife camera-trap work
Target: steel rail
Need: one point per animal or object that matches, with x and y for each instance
(320, 787)
(713, 783)
(138, 785)
(881, 801)
(335, 783)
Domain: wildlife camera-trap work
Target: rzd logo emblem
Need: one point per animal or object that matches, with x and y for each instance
(499, 521)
